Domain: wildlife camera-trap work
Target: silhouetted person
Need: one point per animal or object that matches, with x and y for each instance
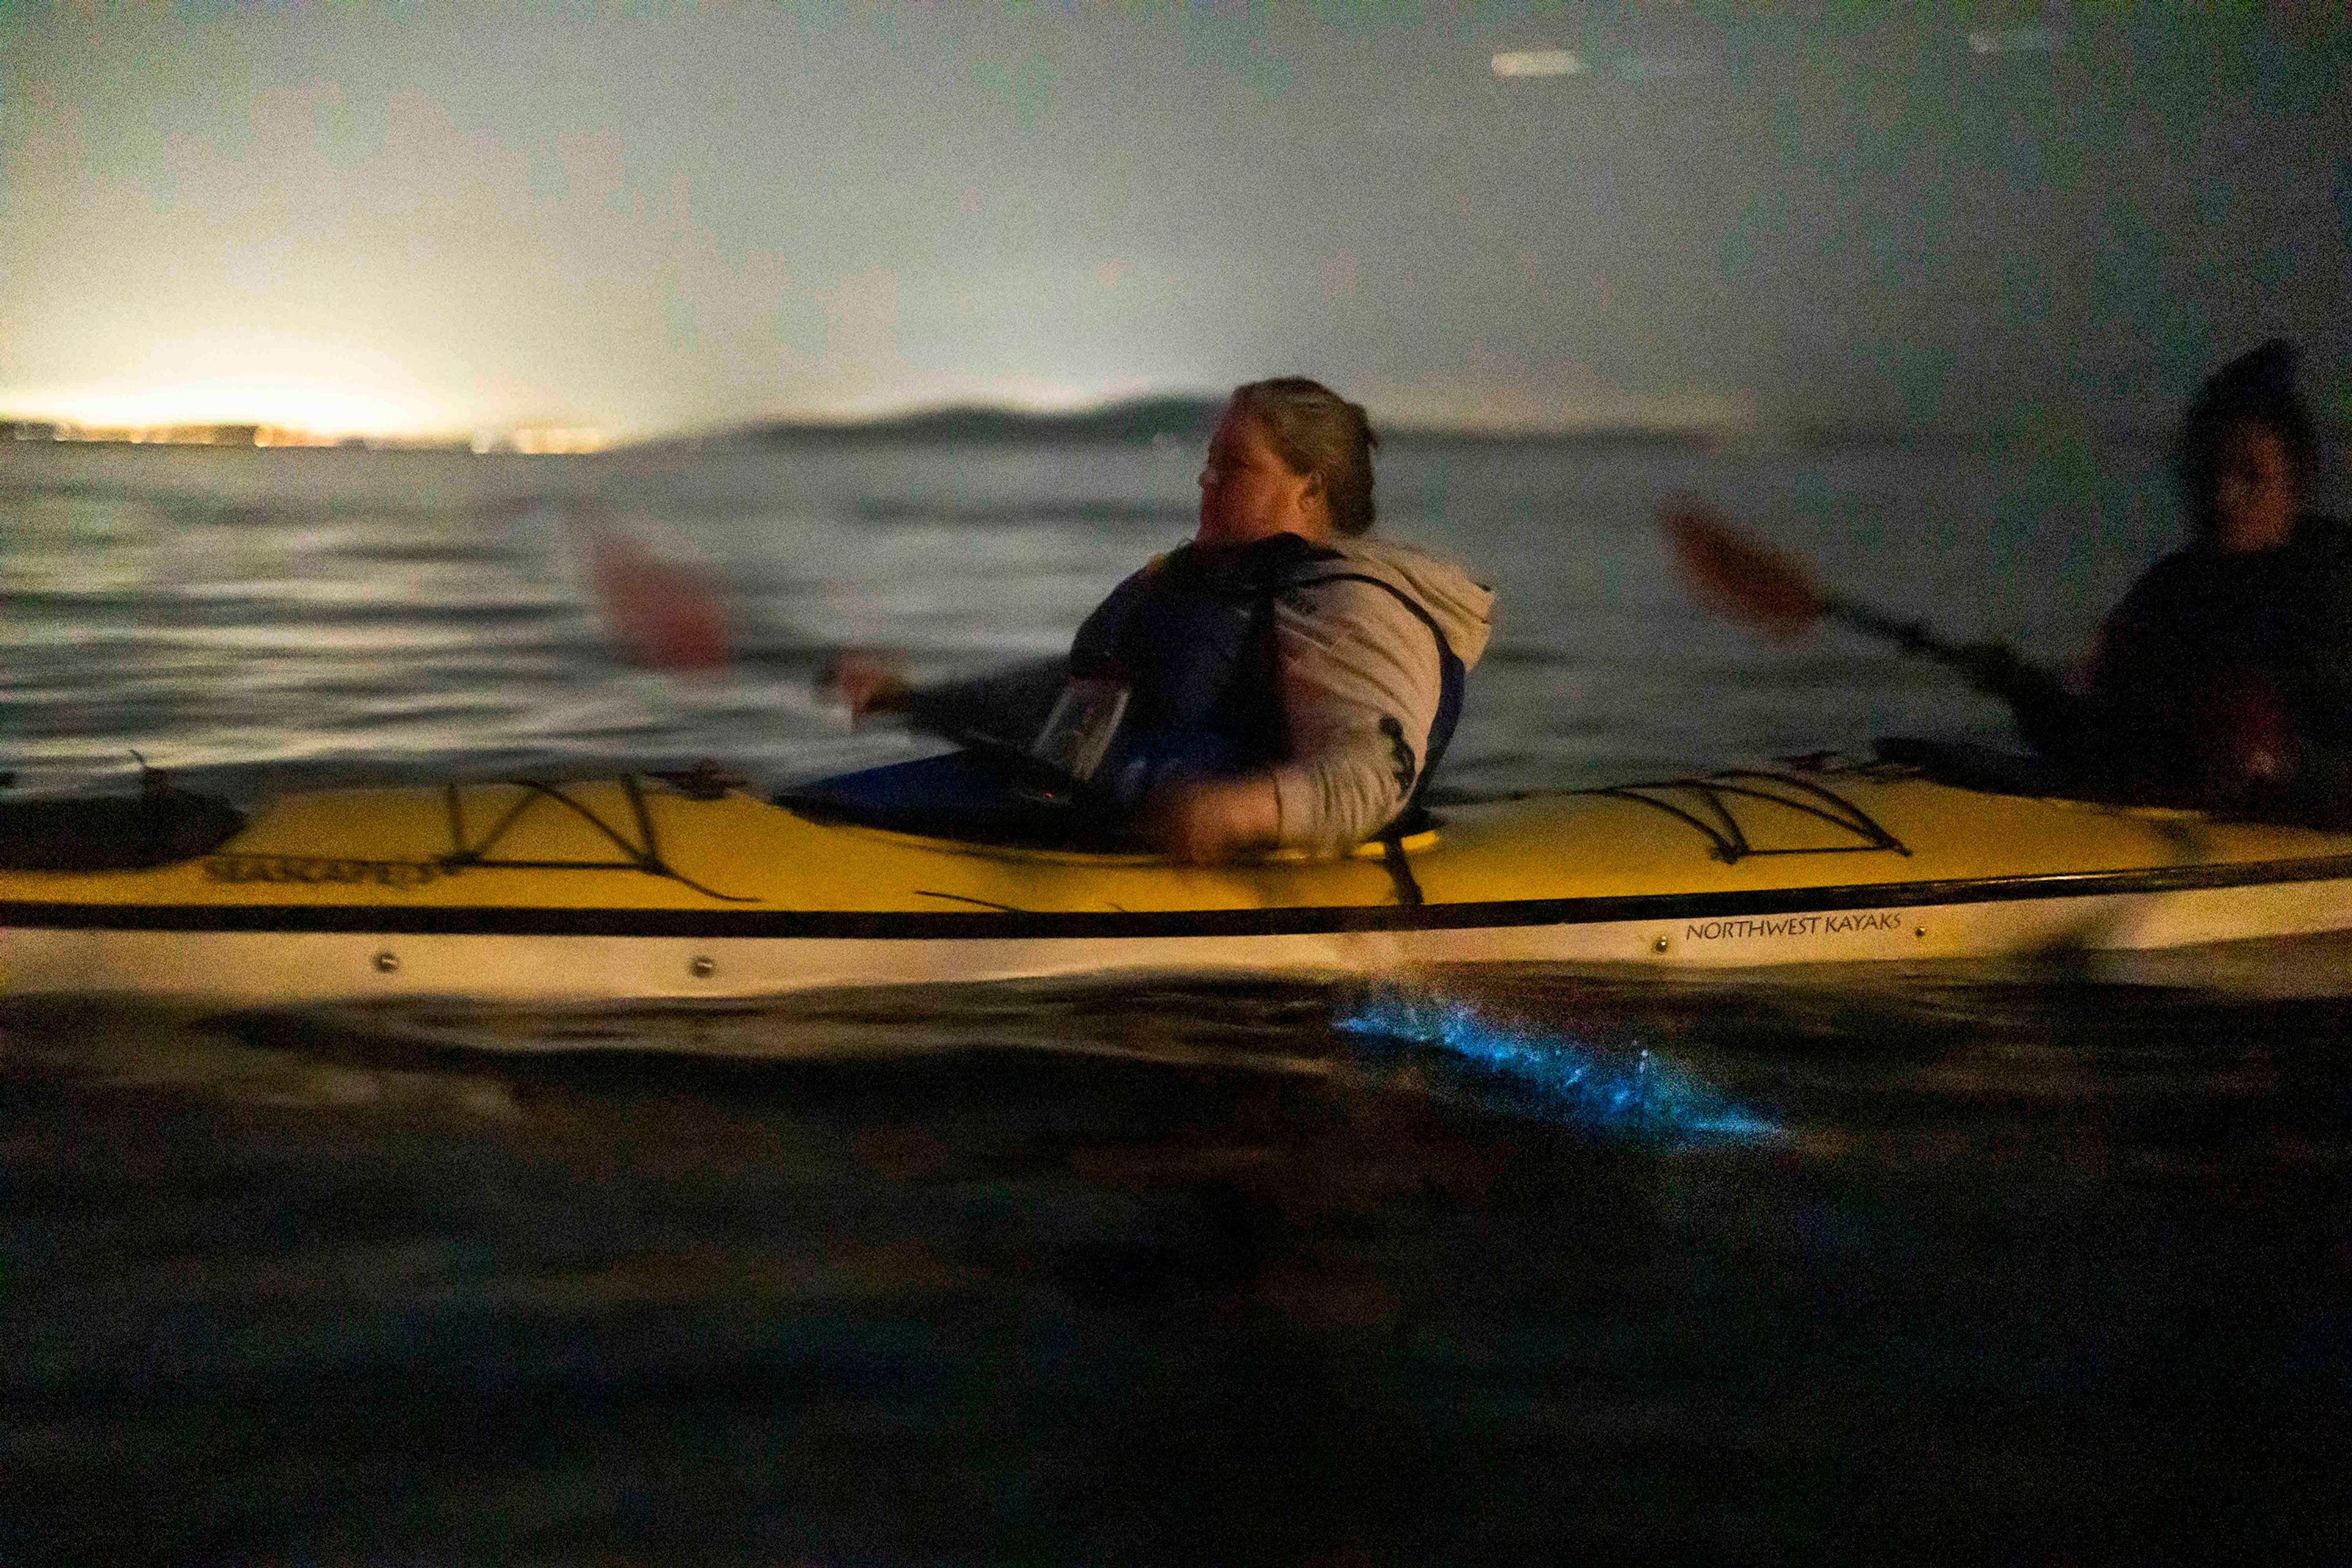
(2225, 677)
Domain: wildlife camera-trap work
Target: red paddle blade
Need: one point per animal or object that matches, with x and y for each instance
(1737, 575)
(659, 614)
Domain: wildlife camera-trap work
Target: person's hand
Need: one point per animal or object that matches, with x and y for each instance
(2245, 743)
(868, 680)
(1204, 821)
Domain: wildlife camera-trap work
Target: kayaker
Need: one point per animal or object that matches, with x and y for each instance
(2225, 677)
(1281, 681)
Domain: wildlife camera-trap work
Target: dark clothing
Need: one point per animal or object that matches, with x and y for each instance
(1192, 636)
(1196, 637)
(2208, 639)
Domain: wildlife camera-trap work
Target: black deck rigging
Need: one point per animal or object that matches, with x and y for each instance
(1707, 803)
(638, 851)
(642, 853)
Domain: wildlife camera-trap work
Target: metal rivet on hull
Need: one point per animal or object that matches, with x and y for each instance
(701, 968)
(387, 963)
(1659, 945)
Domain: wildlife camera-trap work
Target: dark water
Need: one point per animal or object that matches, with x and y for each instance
(1960, 1263)
(1985, 1267)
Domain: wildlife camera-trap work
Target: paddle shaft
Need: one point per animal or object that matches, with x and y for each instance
(1910, 635)
(2041, 702)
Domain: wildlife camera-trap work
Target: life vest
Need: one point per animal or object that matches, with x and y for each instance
(1192, 637)
(2200, 626)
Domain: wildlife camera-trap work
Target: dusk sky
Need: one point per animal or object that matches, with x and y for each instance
(413, 217)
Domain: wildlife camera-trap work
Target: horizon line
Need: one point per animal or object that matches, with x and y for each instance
(549, 438)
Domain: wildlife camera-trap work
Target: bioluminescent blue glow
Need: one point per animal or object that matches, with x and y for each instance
(1633, 1095)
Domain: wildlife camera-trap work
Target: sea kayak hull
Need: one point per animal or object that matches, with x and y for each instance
(247, 967)
(621, 890)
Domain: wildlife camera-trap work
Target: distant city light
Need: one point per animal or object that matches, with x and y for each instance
(281, 402)
(1537, 62)
(2015, 41)
(544, 440)
(206, 435)
(233, 389)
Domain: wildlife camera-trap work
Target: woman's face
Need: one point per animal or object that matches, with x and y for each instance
(2255, 496)
(1248, 492)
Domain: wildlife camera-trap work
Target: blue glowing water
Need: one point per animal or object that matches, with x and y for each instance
(1633, 1095)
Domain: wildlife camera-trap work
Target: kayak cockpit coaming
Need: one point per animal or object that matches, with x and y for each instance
(161, 826)
(1412, 844)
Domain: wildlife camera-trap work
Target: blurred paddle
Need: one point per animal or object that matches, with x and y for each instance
(664, 615)
(1740, 577)
(658, 614)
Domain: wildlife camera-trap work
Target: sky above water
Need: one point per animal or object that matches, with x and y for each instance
(642, 218)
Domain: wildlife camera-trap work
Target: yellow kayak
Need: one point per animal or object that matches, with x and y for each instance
(638, 888)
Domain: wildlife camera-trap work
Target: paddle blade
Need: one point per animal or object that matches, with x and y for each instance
(1737, 575)
(659, 614)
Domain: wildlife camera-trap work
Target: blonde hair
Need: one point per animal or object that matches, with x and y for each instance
(1317, 431)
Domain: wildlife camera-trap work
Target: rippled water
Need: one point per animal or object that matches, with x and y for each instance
(1905, 1262)
(238, 607)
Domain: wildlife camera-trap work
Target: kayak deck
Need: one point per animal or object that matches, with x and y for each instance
(631, 888)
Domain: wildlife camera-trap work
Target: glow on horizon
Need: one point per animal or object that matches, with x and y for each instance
(325, 388)
(321, 404)
(288, 406)
(656, 220)
(315, 402)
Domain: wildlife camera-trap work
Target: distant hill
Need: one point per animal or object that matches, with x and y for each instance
(1190, 419)
(1187, 420)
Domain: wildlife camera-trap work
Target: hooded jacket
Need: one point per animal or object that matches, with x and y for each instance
(1325, 663)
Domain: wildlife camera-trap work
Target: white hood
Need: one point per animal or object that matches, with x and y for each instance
(1464, 610)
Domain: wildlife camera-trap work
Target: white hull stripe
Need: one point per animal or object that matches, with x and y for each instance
(280, 967)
